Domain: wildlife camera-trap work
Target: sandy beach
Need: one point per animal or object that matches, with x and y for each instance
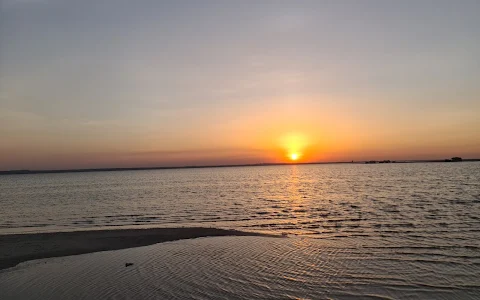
(18, 248)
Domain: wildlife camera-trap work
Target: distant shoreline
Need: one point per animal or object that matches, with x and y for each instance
(18, 248)
(25, 172)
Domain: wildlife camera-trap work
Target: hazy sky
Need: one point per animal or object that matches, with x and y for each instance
(95, 83)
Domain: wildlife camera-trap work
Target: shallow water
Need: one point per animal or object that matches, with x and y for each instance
(252, 268)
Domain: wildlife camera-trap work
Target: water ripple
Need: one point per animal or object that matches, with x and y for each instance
(246, 268)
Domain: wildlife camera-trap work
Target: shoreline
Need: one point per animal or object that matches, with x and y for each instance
(18, 248)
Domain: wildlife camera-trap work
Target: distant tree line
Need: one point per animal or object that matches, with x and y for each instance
(380, 162)
(454, 159)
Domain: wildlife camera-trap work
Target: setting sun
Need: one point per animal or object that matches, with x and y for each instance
(294, 145)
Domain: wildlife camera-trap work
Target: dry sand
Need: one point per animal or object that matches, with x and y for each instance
(18, 248)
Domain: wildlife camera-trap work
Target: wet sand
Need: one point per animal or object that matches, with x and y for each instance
(18, 248)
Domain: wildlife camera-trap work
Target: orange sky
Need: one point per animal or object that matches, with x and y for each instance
(143, 84)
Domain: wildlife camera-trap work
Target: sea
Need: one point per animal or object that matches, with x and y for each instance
(351, 231)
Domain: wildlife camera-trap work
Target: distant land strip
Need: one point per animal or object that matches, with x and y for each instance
(16, 172)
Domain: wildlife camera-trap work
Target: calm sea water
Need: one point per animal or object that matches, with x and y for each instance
(375, 231)
(437, 200)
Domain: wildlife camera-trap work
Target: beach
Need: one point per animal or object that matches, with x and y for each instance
(18, 248)
(248, 267)
(387, 231)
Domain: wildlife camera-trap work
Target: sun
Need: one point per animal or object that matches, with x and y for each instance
(293, 145)
(294, 156)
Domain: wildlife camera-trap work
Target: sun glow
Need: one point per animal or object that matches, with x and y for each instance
(294, 145)
(294, 156)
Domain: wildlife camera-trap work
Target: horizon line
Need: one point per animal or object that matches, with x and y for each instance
(115, 169)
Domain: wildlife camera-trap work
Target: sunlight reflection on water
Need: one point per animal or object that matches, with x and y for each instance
(319, 200)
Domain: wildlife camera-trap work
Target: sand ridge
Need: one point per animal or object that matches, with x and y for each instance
(18, 248)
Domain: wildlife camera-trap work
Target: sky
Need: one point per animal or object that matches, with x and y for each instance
(104, 83)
